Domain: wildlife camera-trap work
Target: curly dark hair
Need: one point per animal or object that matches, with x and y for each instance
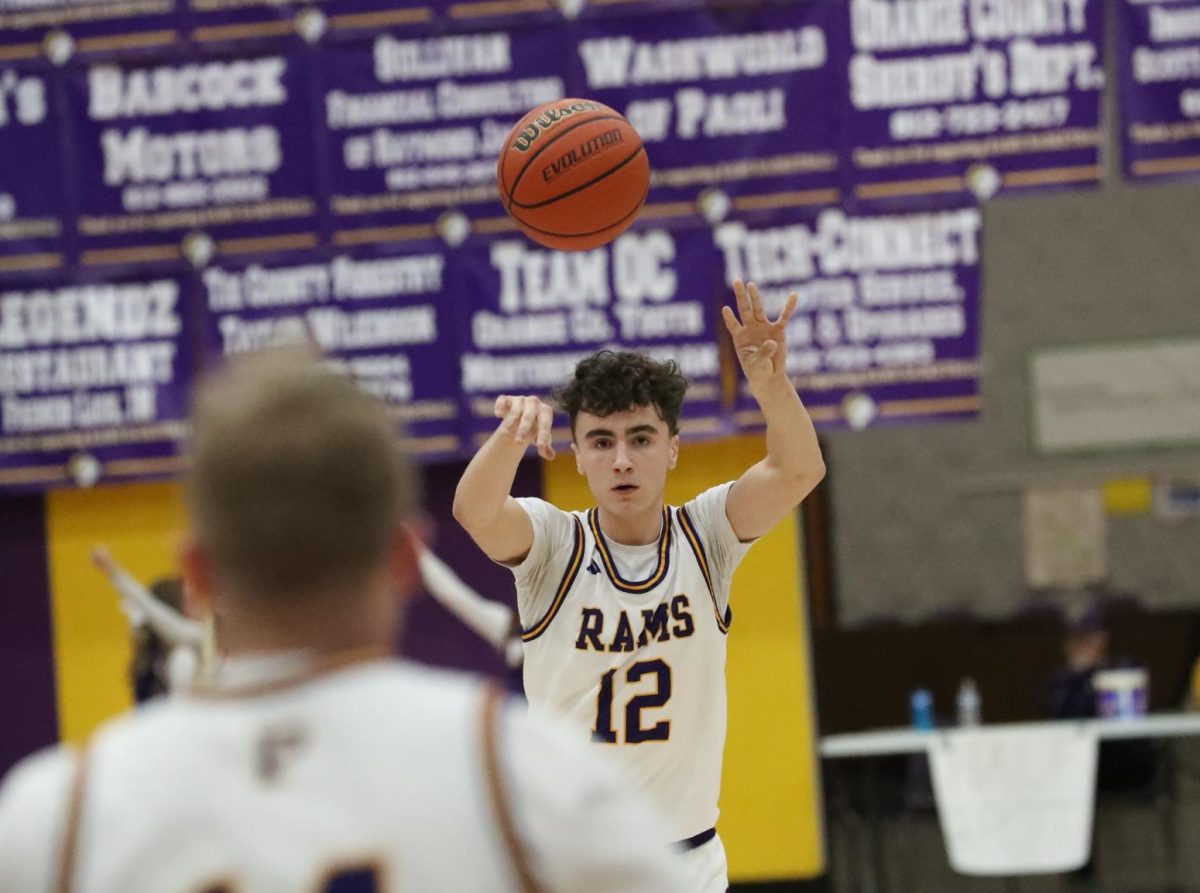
(611, 381)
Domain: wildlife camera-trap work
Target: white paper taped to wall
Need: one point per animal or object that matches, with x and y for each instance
(1116, 396)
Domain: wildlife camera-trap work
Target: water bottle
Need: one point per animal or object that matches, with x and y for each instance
(968, 703)
(921, 703)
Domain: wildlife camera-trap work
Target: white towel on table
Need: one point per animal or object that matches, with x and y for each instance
(1015, 800)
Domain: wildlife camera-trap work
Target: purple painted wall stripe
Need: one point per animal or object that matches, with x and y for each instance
(28, 706)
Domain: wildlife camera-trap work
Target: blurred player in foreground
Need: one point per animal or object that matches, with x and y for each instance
(625, 607)
(311, 762)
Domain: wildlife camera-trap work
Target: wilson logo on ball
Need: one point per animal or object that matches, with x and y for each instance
(573, 174)
(547, 119)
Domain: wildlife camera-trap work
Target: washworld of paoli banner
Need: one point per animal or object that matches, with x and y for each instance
(752, 111)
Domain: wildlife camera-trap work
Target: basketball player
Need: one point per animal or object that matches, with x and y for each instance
(625, 607)
(311, 762)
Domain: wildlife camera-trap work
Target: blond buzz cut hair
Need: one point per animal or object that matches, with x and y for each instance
(298, 480)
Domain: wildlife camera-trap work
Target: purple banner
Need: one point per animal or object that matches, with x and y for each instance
(94, 381)
(743, 101)
(33, 218)
(887, 325)
(1160, 87)
(216, 22)
(60, 29)
(383, 318)
(531, 314)
(972, 96)
(220, 148)
(416, 124)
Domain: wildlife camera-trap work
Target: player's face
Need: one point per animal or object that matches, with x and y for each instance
(625, 458)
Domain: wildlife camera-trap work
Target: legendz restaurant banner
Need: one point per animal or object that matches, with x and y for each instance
(186, 180)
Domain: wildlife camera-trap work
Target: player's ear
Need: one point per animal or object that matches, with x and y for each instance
(673, 455)
(199, 583)
(578, 462)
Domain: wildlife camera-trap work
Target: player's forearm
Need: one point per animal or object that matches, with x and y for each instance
(164, 620)
(487, 482)
(490, 620)
(793, 452)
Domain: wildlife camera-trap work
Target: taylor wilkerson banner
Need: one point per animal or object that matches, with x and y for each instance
(1160, 87)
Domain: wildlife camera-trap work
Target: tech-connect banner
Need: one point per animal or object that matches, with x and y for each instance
(887, 323)
(1160, 87)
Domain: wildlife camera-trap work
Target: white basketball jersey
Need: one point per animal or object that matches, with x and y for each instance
(369, 779)
(628, 643)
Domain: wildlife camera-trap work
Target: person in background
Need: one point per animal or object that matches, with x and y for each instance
(168, 646)
(1123, 765)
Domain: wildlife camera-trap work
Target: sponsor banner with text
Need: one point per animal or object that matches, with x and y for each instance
(384, 318)
(529, 315)
(960, 97)
(741, 100)
(94, 381)
(1159, 45)
(887, 323)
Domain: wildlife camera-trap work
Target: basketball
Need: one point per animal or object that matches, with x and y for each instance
(573, 174)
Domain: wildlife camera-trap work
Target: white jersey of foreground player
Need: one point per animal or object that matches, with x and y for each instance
(369, 776)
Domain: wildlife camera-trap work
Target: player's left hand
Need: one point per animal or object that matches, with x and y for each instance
(760, 343)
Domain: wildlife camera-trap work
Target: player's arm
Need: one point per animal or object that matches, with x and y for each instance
(483, 503)
(489, 620)
(793, 466)
(143, 608)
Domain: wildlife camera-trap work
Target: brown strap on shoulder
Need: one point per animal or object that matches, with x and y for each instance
(493, 699)
(69, 845)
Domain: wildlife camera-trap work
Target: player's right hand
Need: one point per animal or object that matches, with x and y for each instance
(527, 420)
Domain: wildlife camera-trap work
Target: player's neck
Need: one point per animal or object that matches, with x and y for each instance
(632, 530)
(321, 625)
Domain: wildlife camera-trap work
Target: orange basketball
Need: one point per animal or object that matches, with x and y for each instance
(573, 174)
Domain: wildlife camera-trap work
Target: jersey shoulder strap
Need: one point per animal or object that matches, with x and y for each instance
(493, 700)
(69, 843)
(564, 586)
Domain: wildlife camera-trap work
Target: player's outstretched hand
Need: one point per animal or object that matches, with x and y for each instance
(527, 420)
(760, 342)
(103, 560)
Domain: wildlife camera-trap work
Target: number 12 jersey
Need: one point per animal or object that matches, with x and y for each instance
(628, 643)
